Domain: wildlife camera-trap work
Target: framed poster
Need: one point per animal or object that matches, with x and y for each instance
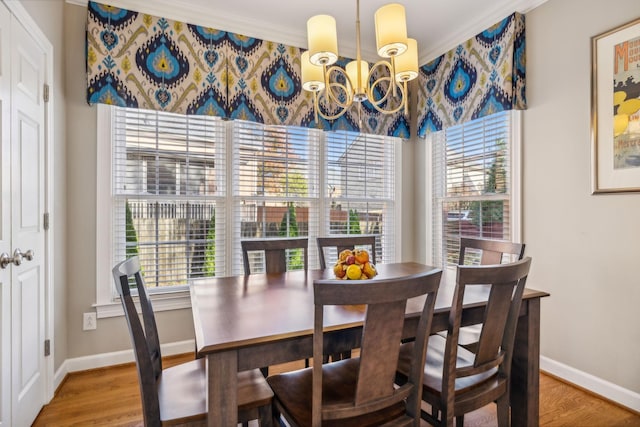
(615, 109)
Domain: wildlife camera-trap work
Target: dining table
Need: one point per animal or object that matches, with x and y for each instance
(253, 321)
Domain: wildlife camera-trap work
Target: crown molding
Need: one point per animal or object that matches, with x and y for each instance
(480, 24)
(184, 11)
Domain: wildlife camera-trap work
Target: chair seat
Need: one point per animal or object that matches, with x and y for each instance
(468, 336)
(434, 365)
(293, 391)
(182, 392)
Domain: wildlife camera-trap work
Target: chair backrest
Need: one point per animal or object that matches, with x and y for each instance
(490, 251)
(275, 252)
(494, 351)
(346, 242)
(382, 333)
(145, 340)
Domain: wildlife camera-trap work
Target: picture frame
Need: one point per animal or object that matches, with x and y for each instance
(615, 109)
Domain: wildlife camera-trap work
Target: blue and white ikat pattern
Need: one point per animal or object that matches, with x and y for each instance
(142, 61)
(482, 76)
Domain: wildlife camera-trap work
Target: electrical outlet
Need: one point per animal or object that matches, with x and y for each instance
(88, 321)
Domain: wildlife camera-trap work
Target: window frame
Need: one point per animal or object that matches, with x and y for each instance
(107, 302)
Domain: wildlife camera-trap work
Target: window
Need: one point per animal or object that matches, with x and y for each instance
(475, 184)
(167, 204)
(277, 188)
(183, 191)
(361, 192)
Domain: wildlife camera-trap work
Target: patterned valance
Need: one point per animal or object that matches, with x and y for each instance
(482, 76)
(142, 61)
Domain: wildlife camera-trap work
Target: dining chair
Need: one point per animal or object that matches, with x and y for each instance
(484, 251)
(360, 391)
(177, 395)
(338, 244)
(275, 252)
(275, 259)
(333, 246)
(457, 381)
(476, 251)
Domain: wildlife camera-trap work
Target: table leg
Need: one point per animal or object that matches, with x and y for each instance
(222, 385)
(525, 368)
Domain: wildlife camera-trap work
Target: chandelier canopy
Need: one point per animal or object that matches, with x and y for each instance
(384, 85)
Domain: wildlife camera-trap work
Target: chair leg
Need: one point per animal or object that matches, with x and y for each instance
(265, 416)
(277, 418)
(460, 421)
(504, 416)
(447, 418)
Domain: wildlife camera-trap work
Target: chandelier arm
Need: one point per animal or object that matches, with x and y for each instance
(406, 100)
(344, 88)
(343, 109)
(392, 82)
(391, 89)
(392, 73)
(370, 93)
(376, 102)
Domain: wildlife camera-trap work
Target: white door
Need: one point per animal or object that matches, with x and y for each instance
(23, 233)
(5, 217)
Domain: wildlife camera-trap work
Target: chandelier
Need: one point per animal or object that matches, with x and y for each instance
(384, 85)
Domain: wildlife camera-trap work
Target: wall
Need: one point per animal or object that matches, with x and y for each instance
(584, 247)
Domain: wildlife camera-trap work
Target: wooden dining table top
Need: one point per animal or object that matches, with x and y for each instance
(240, 311)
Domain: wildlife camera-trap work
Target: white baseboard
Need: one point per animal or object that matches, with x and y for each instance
(610, 391)
(115, 358)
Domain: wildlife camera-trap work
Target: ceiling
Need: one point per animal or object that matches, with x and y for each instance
(437, 25)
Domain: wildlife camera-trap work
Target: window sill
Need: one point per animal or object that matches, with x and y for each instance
(161, 302)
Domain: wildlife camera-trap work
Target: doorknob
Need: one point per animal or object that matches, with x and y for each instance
(5, 259)
(28, 255)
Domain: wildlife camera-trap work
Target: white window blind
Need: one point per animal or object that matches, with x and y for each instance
(276, 171)
(169, 181)
(360, 182)
(472, 184)
(185, 190)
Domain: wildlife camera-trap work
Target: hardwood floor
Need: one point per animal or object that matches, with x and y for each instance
(111, 397)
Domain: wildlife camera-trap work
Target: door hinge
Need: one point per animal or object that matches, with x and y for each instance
(45, 221)
(45, 93)
(47, 347)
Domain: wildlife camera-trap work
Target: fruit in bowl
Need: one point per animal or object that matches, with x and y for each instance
(354, 265)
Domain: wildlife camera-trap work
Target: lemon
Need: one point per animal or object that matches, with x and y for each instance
(354, 272)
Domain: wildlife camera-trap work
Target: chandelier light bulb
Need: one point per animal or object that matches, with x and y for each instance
(322, 38)
(406, 64)
(312, 75)
(391, 30)
(358, 78)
